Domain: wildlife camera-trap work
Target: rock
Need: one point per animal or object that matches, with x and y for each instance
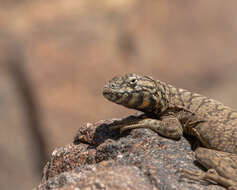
(104, 175)
(138, 159)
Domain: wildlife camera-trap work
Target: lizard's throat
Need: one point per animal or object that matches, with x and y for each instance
(142, 101)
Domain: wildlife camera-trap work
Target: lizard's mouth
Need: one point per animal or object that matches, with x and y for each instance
(107, 93)
(111, 95)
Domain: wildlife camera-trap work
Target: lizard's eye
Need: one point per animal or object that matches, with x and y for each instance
(133, 81)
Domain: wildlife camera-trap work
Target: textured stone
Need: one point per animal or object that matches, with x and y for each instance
(138, 159)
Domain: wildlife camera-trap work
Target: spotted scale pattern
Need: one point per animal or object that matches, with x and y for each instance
(179, 111)
(143, 93)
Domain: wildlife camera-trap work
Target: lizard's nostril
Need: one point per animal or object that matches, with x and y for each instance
(106, 92)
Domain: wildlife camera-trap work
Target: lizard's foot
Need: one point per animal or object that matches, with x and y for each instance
(169, 126)
(211, 176)
(143, 123)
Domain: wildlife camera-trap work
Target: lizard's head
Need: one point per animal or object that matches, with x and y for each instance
(132, 91)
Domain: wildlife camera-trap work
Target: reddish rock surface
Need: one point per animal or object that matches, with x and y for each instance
(104, 159)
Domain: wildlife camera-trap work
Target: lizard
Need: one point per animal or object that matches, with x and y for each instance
(175, 112)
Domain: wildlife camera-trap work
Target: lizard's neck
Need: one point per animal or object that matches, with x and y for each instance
(170, 97)
(158, 99)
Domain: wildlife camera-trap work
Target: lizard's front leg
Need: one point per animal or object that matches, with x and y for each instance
(222, 168)
(168, 126)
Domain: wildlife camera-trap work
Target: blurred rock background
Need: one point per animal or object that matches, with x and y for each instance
(68, 49)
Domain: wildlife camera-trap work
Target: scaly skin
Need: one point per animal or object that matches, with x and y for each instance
(179, 111)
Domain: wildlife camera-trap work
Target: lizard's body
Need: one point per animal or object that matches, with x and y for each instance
(180, 111)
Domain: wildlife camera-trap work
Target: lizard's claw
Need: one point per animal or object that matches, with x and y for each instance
(123, 127)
